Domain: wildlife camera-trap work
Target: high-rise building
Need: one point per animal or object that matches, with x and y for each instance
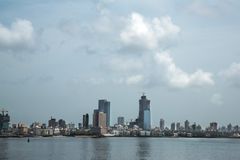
(144, 104)
(173, 126)
(229, 127)
(99, 119)
(52, 123)
(147, 119)
(85, 121)
(178, 126)
(213, 126)
(104, 106)
(102, 117)
(186, 125)
(194, 126)
(4, 121)
(162, 123)
(120, 120)
(62, 123)
(95, 117)
(99, 122)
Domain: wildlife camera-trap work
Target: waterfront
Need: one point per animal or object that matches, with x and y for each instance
(116, 148)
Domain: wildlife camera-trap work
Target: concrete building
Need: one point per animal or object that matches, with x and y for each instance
(173, 126)
(186, 125)
(121, 121)
(178, 126)
(144, 104)
(162, 124)
(102, 120)
(104, 106)
(22, 129)
(99, 122)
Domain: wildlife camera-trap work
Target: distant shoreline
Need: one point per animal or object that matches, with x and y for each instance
(89, 136)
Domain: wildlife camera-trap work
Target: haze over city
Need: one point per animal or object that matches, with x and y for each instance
(59, 59)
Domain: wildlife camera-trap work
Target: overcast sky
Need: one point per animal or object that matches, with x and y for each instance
(57, 58)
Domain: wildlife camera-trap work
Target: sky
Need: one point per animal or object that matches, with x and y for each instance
(58, 58)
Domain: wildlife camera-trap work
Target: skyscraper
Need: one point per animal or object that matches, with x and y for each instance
(162, 123)
(85, 121)
(4, 121)
(52, 123)
(173, 126)
(120, 120)
(178, 126)
(144, 104)
(62, 123)
(147, 120)
(104, 106)
(102, 119)
(95, 117)
(99, 122)
(186, 125)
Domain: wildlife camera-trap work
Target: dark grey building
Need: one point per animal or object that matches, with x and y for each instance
(62, 123)
(104, 106)
(4, 121)
(186, 125)
(144, 104)
(120, 120)
(95, 118)
(173, 126)
(85, 121)
(162, 123)
(52, 123)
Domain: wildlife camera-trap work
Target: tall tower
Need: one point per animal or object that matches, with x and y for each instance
(144, 104)
(104, 106)
(147, 120)
(186, 125)
(85, 121)
(162, 123)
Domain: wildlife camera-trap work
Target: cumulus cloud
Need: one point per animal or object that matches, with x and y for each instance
(144, 34)
(177, 78)
(216, 99)
(19, 36)
(232, 74)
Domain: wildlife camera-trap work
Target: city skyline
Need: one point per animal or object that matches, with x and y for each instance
(143, 120)
(59, 58)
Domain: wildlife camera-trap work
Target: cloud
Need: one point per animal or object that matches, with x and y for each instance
(120, 64)
(211, 8)
(19, 36)
(202, 9)
(143, 34)
(177, 78)
(135, 79)
(216, 99)
(232, 74)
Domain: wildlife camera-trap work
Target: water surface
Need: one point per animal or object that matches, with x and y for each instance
(75, 148)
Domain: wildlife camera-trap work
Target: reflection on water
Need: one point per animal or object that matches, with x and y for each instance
(3, 149)
(101, 149)
(67, 148)
(143, 148)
